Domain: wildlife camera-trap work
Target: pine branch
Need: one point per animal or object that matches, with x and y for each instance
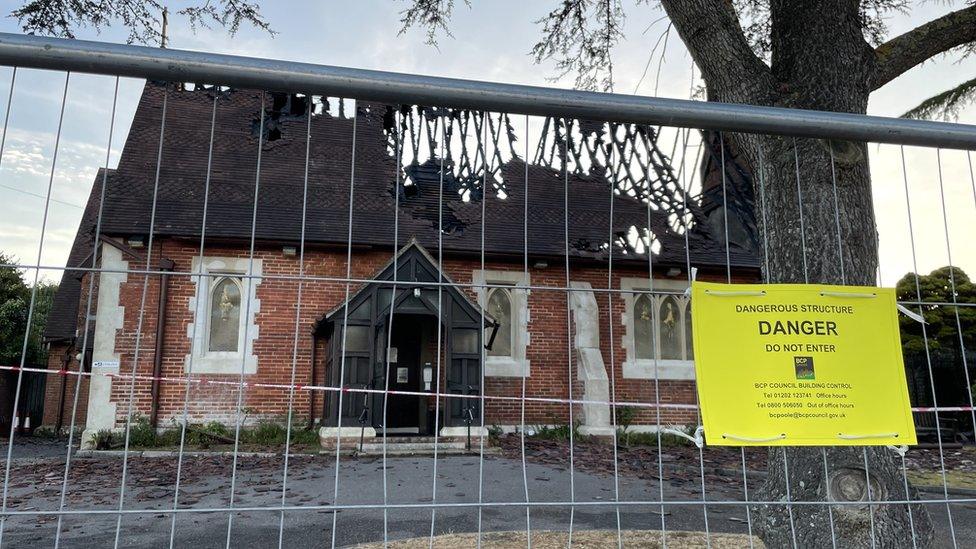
(579, 37)
(434, 15)
(141, 17)
(946, 105)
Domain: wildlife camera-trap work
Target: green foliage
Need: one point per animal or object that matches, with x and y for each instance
(217, 428)
(169, 437)
(941, 328)
(141, 433)
(625, 417)
(303, 436)
(668, 440)
(15, 299)
(946, 105)
(557, 432)
(494, 433)
(103, 440)
(265, 432)
(140, 17)
(196, 435)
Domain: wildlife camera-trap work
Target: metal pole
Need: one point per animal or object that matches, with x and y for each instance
(396, 88)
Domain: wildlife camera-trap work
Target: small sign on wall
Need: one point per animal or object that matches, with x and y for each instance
(106, 364)
(392, 355)
(403, 375)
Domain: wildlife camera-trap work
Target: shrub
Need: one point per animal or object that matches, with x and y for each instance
(625, 417)
(265, 432)
(494, 433)
(141, 433)
(557, 432)
(171, 435)
(304, 436)
(103, 440)
(217, 428)
(45, 432)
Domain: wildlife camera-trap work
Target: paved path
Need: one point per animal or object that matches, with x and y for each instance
(94, 484)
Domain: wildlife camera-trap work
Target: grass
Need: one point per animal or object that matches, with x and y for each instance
(143, 436)
(624, 436)
(557, 432)
(953, 479)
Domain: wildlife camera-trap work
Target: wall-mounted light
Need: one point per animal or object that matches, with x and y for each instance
(428, 376)
(416, 292)
(289, 251)
(540, 264)
(674, 271)
(136, 241)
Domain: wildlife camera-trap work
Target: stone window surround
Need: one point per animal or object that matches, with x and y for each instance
(644, 368)
(518, 365)
(201, 359)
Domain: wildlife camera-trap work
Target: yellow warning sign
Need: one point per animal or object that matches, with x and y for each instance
(799, 365)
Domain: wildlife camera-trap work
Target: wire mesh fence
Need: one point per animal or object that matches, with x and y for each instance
(288, 317)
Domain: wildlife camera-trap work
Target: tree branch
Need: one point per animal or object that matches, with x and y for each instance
(946, 105)
(141, 17)
(903, 52)
(710, 30)
(579, 35)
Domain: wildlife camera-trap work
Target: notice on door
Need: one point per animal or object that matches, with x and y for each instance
(799, 365)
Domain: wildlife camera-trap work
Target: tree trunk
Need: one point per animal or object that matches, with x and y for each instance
(812, 250)
(821, 61)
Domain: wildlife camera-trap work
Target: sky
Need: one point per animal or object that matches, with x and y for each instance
(491, 41)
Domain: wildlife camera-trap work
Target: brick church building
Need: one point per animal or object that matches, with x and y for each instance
(250, 217)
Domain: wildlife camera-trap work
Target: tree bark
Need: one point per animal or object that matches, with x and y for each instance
(816, 219)
(920, 44)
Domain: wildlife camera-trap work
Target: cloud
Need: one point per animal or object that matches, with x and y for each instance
(491, 42)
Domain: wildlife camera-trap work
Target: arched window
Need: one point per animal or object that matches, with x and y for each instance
(500, 308)
(225, 315)
(644, 327)
(657, 337)
(670, 329)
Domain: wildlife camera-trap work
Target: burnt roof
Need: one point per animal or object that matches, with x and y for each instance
(230, 204)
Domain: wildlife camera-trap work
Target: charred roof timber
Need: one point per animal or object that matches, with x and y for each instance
(461, 173)
(289, 107)
(482, 182)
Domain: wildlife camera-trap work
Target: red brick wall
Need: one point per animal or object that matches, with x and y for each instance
(548, 351)
(52, 390)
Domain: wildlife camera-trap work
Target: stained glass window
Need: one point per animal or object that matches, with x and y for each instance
(644, 327)
(670, 329)
(225, 315)
(500, 308)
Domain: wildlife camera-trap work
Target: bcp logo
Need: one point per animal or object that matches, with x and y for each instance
(804, 367)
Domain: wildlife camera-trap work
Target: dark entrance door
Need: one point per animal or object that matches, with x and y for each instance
(404, 412)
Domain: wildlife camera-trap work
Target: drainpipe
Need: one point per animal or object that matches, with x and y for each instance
(64, 383)
(165, 265)
(311, 394)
